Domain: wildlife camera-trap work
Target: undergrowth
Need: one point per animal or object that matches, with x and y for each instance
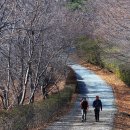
(75, 4)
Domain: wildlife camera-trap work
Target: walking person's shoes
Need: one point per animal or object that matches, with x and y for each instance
(82, 119)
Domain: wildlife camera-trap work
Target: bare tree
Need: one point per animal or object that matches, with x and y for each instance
(32, 42)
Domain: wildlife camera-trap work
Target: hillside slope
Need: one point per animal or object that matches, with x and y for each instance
(112, 22)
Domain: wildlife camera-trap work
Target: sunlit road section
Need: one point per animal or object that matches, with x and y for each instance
(89, 85)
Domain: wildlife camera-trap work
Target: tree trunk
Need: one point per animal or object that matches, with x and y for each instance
(25, 85)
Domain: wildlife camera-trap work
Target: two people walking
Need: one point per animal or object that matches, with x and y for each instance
(97, 104)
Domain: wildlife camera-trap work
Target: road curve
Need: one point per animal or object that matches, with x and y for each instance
(90, 85)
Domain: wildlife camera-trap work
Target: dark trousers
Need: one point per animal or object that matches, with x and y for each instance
(96, 110)
(84, 114)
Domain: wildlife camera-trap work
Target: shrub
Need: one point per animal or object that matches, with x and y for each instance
(27, 116)
(121, 70)
(75, 4)
(90, 50)
(124, 71)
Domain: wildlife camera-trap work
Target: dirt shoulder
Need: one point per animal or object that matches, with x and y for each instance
(121, 92)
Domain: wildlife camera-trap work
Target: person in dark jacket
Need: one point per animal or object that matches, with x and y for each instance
(97, 104)
(84, 107)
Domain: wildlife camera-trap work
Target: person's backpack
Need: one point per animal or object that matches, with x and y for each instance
(84, 105)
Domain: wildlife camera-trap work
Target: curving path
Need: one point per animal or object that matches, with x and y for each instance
(90, 85)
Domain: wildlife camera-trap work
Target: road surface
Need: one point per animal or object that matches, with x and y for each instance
(90, 85)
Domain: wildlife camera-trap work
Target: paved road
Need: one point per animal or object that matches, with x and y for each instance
(90, 85)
